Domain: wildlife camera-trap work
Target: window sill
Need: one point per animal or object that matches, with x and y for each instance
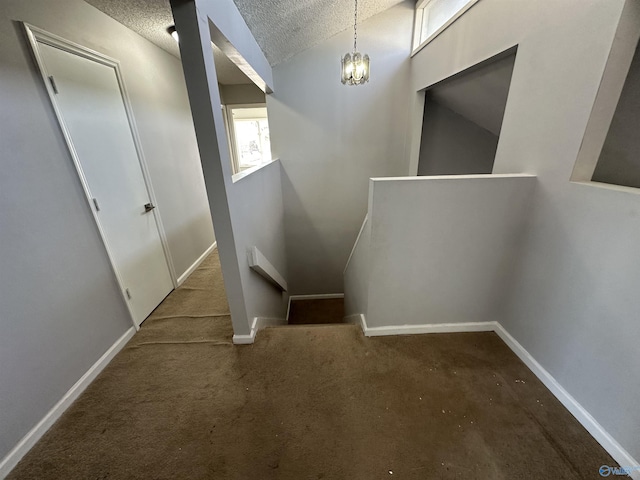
(449, 22)
(245, 173)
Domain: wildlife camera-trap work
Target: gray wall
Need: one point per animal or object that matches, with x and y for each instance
(248, 212)
(574, 304)
(60, 305)
(452, 144)
(258, 200)
(241, 94)
(331, 138)
(619, 162)
(440, 250)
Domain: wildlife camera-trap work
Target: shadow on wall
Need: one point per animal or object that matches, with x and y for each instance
(463, 117)
(619, 163)
(332, 138)
(308, 260)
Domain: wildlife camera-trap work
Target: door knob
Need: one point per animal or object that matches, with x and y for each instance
(148, 207)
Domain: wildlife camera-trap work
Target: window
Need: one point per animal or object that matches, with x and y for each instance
(433, 16)
(249, 139)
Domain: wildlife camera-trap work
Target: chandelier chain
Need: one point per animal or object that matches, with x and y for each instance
(355, 29)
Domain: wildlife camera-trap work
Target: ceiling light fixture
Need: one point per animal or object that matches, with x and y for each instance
(172, 30)
(355, 66)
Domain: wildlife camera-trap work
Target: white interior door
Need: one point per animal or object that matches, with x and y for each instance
(91, 108)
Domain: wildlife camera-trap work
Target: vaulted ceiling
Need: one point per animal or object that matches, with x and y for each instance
(282, 28)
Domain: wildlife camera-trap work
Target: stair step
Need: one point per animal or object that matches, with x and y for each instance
(316, 311)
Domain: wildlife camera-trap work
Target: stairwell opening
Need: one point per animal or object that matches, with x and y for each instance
(316, 310)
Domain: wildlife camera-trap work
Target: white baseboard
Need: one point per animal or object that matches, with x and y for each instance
(426, 328)
(319, 296)
(249, 338)
(607, 442)
(30, 439)
(258, 324)
(196, 264)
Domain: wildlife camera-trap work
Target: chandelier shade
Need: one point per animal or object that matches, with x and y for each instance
(355, 69)
(355, 66)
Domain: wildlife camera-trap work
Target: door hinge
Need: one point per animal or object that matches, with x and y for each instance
(128, 293)
(52, 81)
(95, 203)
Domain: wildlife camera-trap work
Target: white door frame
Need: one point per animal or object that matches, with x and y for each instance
(35, 35)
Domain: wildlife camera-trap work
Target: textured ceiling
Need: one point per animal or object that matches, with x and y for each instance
(479, 96)
(282, 28)
(151, 19)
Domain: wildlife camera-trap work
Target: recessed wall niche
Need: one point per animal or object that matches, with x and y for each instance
(619, 160)
(463, 118)
(610, 150)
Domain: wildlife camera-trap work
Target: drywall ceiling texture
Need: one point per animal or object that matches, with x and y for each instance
(282, 28)
(60, 305)
(574, 300)
(148, 18)
(332, 138)
(151, 19)
(480, 95)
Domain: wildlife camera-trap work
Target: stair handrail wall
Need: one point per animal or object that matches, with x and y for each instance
(437, 249)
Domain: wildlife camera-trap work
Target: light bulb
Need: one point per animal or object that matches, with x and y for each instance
(174, 33)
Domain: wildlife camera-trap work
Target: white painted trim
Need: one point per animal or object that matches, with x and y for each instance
(258, 324)
(36, 35)
(355, 244)
(249, 338)
(608, 186)
(259, 263)
(446, 25)
(427, 328)
(248, 105)
(196, 264)
(245, 173)
(231, 136)
(286, 317)
(318, 296)
(30, 439)
(607, 442)
(427, 178)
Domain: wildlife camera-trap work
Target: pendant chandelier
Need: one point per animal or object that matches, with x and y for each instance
(355, 66)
